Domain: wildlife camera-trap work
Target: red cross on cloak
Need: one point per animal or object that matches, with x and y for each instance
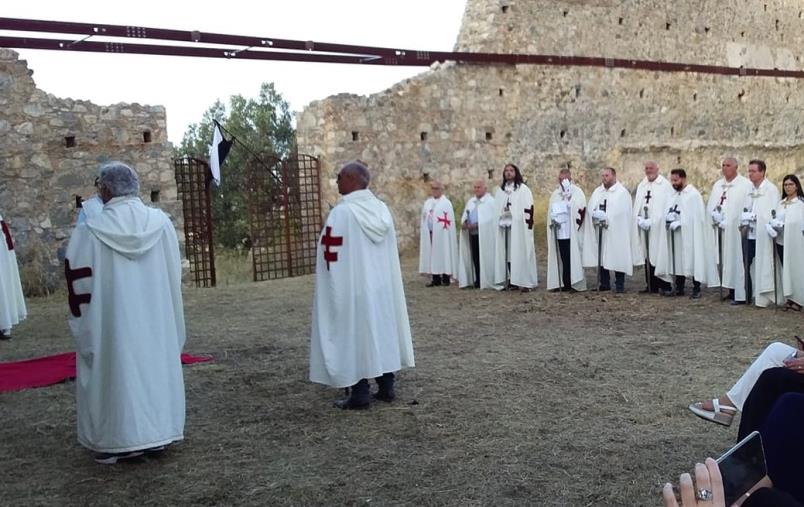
(529, 220)
(7, 234)
(444, 220)
(722, 198)
(328, 240)
(76, 300)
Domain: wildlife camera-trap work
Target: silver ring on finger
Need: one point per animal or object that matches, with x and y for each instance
(704, 495)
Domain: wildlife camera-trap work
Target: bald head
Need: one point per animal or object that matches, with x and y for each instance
(651, 170)
(436, 189)
(479, 188)
(353, 176)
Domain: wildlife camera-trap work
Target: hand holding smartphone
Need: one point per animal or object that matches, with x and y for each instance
(742, 467)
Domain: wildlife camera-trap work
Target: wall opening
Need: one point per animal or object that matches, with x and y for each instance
(641, 93)
(622, 133)
(565, 12)
(562, 134)
(672, 131)
(491, 173)
(620, 21)
(69, 141)
(355, 135)
(504, 9)
(154, 195)
(741, 96)
(667, 26)
(489, 136)
(695, 97)
(423, 136)
(501, 91)
(146, 136)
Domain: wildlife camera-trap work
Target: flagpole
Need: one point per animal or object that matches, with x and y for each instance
(247, 149)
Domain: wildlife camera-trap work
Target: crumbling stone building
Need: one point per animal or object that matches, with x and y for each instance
(50, 149)
(459, 122)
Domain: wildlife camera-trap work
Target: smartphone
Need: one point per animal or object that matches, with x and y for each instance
(742, 466)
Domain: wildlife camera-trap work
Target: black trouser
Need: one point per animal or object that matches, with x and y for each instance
(656, 283)
(682, 280)
(605, 279)
(770, 386)
(474, 246)
(566, 267)
(749, 252)
(780, 253)
(440, 279)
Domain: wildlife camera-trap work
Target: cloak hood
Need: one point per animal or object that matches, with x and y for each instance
(128, 226)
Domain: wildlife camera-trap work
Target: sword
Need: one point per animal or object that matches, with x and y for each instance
(672, 232)
(773, 256)
(647, 252)
(719, 254)
(747, 274)
(601, 207)
(554, 226)
(507, 263)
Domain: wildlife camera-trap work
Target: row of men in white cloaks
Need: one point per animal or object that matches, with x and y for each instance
(747, 235)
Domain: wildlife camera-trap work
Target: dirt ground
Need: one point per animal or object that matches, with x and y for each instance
(517, 399)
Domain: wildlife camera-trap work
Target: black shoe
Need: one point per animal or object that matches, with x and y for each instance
(4, 335)
(477, 285)
(603, 288)
(351, 404)
(735, 303)
(387, 397)
(445, 283)
(696, 294)
(107, 458)
(619, 290)
(680, 293)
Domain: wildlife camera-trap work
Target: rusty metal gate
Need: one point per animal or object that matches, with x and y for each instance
(284, 201)
(193, 178)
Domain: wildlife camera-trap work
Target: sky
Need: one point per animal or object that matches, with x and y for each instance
(188, 86)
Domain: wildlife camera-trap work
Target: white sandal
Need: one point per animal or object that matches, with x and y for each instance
(722, 414)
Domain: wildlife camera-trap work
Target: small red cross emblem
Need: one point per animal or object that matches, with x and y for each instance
(7, 234)
(529, 220)
(722, 197)
(444, 220)
(76, 300)
(328, 240)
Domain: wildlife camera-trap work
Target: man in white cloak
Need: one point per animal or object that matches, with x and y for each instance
(567, 209)
(515, 252)
(360, 324)
(758, 249)
(123, 272)
(12, 301)
(476, 246)
(650, 207)
(438, 247)
(725, 206)
(685, 251)
(610, 209)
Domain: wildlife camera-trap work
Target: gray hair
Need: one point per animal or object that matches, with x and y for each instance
(119, 179)
(359, 170)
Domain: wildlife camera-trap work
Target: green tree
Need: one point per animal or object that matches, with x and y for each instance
(263, 125)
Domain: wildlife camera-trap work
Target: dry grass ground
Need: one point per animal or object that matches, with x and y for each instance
(517, 399)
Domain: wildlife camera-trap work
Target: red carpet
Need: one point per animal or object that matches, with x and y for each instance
(49, 370)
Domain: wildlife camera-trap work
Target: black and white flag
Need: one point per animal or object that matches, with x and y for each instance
(218, 151)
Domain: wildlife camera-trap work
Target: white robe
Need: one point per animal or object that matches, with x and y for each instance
(123, 271)
(12, 301)
(693, 254)
(438, 253)
(761, 201)
(617, 252)
(521, 249)
(653, 194)
(577, 210)
(487, 228)
(360, 324)
(792, 267)
(90, 207)
(729, 197)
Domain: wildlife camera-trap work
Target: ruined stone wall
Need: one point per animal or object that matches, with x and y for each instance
(50, 149)
(461, 122)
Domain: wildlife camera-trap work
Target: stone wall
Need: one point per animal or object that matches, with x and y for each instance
(50, 149)
(460, 122)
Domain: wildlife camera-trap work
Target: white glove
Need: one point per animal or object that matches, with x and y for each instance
(671, 217)
(771, 231)
(675, 224)
(722, 225)
(599, 215)
(747, 216)
(717, 217)
(643, 223)
(776, 224)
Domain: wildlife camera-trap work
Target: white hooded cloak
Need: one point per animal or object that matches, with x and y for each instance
(123, 272)
(576, 201)
(360, 324)
(617, 250)
(12, 301)
(521, 249)
(654, 195)
(438, 248)
(728, 199)
(487, 232)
